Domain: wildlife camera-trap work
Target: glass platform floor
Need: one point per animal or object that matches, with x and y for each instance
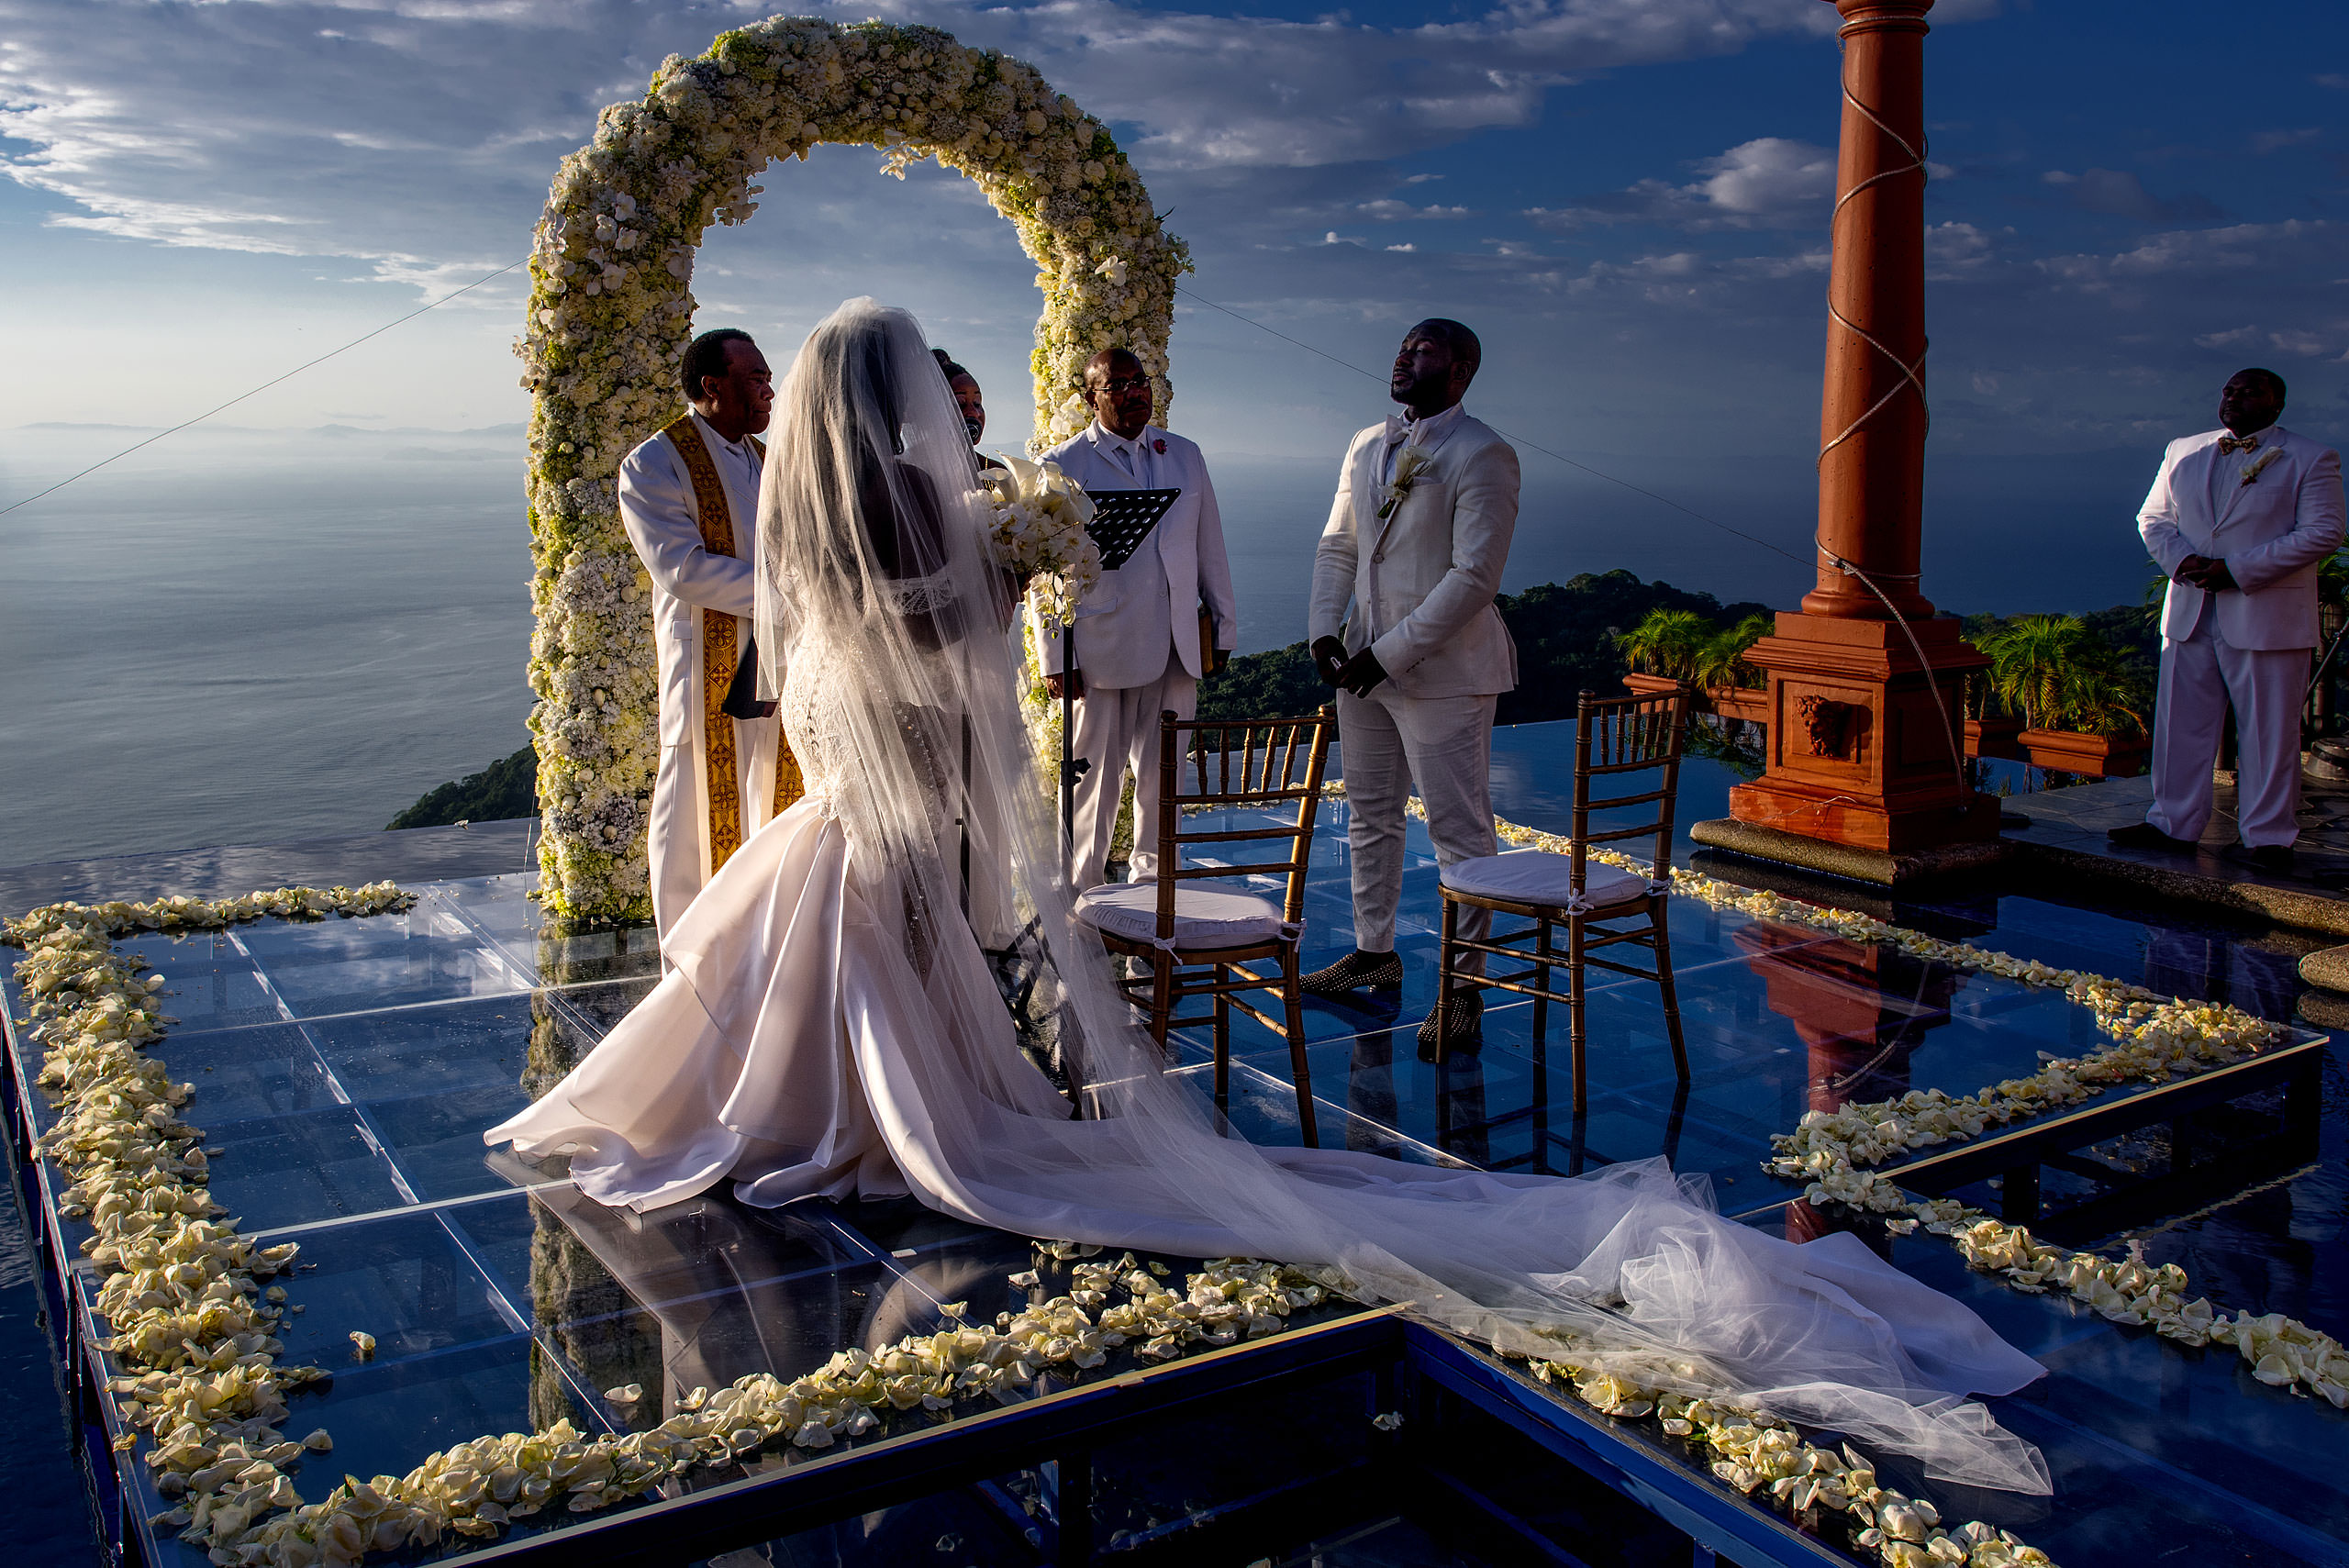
(347, 1068)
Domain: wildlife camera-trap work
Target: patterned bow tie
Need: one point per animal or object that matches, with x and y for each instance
(2237, 444)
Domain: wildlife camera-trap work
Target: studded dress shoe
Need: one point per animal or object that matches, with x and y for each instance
(1357, 970)
(1463, 1022)
(2145, 836)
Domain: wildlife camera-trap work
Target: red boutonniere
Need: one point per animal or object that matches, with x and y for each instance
(1159, 446)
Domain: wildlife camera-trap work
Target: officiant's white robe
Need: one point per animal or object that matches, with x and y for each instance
(2247, 646)
(1138, 632)
(659, 508)
(1417, 588)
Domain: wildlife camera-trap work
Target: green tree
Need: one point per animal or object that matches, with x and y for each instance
(1668, 642)
(1722, 661)
(2058, 674)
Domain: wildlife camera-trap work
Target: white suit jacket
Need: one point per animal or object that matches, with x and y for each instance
(1125, 625)
(1421, 582)
(2271, 533)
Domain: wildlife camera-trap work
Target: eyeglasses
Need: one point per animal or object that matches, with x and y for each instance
(1124, 385)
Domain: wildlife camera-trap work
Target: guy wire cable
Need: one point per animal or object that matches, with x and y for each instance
(264, 386)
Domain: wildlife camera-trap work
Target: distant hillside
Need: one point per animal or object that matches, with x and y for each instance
(507, 787)
(1565, 636)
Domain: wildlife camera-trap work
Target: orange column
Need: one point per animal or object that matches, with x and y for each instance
(1866, 694)
(1871, 413)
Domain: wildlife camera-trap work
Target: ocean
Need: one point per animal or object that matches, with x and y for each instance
(248, 636)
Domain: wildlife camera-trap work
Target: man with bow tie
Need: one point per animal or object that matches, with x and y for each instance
(1417, 540)
(1149, 631)
(2238, 518)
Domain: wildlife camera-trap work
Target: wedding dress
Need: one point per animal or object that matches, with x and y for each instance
(832, 1027)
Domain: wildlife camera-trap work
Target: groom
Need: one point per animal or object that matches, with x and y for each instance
(1141, 632)
(689, 499)
(1417, 541)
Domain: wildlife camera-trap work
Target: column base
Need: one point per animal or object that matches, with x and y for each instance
(1891, 826)
(1884, 868)
(1864, 749)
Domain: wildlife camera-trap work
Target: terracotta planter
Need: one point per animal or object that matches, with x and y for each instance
(1747, 703)
(1727, 702)
(1994, 738)
(2093, 756)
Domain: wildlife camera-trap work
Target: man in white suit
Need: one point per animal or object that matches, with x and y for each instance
(1417, 541)
(2238, 518)
(689, 499)
(1140, 631)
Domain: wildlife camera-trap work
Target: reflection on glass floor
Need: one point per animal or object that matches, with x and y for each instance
(347, 1068)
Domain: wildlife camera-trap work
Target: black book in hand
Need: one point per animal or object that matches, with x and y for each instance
(742, 694)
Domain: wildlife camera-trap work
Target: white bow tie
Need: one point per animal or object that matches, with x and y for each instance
(1398, 430)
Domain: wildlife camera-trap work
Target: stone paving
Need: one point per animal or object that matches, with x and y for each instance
(2066, 830)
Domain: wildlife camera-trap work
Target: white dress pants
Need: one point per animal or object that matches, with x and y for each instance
(1117, 728)
(678, 832)
(2267, 686)
(1387, 741)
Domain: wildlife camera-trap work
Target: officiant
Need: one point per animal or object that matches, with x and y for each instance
(1149, 630)
(689, 499)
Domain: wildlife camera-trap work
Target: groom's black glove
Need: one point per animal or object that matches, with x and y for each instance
(1362, 673)
(1328, 659)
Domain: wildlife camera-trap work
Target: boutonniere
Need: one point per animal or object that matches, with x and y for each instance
(1408, 468)
(2270, 455)
(1159, 446)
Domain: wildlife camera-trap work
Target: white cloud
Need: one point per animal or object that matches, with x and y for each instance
(1771, 182)
(1955, 249)
(2227, 340)
(1392, 211)
(2308, 345)
(2276, 141)
(2120, 193)
(2234, 249)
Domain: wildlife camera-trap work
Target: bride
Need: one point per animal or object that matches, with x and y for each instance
(832, 1027)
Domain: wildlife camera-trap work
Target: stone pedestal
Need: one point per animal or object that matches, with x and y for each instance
(1860, 755)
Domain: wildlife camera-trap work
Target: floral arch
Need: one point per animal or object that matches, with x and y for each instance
(611, 304)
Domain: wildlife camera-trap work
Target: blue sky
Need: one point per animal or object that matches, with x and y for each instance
(1628, 197)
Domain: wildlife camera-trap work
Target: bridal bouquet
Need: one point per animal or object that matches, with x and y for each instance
(1038, 534)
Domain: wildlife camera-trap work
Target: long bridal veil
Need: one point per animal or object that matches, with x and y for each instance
(884, 626)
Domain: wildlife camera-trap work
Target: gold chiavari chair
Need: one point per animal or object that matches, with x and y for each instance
(1600, 905)
(1204, 940)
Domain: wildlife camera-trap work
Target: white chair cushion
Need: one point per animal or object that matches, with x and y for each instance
(1205, 916)
(1538, 876)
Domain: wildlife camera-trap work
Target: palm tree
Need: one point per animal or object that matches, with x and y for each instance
(1668, 642)
(2059, 674)
(1722, 661)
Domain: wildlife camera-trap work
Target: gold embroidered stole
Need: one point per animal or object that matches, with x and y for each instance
(719, 659)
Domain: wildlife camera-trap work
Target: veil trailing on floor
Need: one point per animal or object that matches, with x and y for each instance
(884, 630)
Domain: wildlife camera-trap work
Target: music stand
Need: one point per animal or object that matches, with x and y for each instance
(1121, 520)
